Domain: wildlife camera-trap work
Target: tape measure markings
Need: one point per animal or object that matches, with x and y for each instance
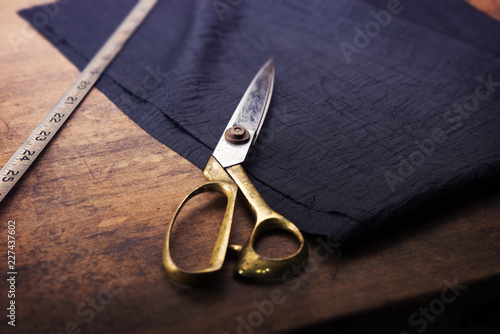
(27, 153)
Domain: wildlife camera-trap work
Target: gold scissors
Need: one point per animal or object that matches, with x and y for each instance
(226, 176)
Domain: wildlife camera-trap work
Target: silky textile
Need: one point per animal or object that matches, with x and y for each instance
(379, 107)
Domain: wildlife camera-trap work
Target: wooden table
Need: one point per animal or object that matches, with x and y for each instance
(91, 214)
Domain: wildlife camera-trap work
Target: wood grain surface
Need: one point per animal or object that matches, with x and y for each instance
(92, 211)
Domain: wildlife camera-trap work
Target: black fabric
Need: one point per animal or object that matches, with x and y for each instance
(410, 115)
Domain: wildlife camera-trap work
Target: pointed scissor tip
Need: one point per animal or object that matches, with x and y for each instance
(270, 63)
(268, 68)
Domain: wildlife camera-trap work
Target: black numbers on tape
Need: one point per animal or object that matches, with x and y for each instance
(70, 100)
(57, 117)
(9, 178)
(42, 136)
(27, 152)
(25, 155)
(83, 85)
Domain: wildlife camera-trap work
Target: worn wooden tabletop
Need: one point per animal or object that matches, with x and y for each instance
(90, 216)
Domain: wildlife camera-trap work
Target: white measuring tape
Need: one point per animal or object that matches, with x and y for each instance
(48, 127)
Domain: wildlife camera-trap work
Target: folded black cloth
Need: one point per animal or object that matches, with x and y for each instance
(379, 107)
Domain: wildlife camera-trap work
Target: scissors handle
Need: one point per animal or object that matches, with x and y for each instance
(251, 264)
(222, 184)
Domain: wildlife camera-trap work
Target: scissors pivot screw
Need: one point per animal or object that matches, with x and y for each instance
(237, 135)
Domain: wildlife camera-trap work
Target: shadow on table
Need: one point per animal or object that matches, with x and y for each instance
(476, 311)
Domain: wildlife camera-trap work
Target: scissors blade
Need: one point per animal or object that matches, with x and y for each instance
(249, 114)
